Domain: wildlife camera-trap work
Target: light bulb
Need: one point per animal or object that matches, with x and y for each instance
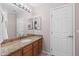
(21, 5)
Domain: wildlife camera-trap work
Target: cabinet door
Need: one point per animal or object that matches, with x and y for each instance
(40, 46)
(27, 50)
(35, 48)
(16, 53)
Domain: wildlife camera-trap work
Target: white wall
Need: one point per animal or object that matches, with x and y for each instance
(43, 10)
(45, 25)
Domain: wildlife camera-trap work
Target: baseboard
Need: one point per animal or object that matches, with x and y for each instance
(46, 52)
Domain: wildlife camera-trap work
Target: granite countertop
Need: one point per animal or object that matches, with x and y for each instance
(10, 47)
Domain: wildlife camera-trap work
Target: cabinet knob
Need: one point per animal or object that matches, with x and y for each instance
(51, 49)
(51, 32)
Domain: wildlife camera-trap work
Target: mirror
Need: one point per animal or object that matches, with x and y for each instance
(16, 23)
(37, 23)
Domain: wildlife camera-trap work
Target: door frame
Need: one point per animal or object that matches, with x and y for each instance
(73, 17)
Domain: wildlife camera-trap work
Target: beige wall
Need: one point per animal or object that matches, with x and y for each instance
(77, 29)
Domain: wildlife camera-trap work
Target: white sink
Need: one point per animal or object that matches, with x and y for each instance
(26, 40)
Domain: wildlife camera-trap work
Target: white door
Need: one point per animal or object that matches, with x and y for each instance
(62, 31)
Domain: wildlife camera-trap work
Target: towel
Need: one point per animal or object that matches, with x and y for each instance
(3, 28)
(5, 19)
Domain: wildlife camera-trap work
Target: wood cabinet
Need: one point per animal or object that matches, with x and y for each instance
(27, 50)
(33, 49)
(40, 46)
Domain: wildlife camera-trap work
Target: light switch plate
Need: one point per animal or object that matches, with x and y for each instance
(77, 31)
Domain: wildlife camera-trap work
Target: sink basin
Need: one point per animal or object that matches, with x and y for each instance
(26, 40)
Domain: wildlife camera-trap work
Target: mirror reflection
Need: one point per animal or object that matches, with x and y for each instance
(14, 20)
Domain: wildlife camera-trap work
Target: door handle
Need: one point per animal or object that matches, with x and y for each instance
(51, 32)
(51, 49)
(70, 36)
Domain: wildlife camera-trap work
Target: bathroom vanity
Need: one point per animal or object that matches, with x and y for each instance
(29, 46)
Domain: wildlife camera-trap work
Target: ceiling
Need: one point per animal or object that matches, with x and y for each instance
(14, 9)
(45, 4)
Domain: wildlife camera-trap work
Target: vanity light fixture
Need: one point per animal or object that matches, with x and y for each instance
(20, 5)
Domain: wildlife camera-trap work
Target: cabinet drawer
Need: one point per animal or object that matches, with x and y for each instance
(28, 53)
(27, 48)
